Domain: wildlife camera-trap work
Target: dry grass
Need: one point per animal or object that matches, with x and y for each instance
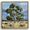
(12, 24)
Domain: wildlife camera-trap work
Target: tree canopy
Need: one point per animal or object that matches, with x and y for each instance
(16, 9)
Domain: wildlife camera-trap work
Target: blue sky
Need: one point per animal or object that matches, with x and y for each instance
(23, 5)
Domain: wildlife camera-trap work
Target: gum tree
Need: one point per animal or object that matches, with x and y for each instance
(15, 12)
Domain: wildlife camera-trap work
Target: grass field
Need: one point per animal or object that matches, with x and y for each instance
(14, 25)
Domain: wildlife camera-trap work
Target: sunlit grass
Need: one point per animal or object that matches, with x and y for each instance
(16, 24)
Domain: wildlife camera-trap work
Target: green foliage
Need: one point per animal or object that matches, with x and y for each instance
(12, 6)
(8, 18)
(10, 9)
(21, 9)
(7, 10)
(17, 7)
